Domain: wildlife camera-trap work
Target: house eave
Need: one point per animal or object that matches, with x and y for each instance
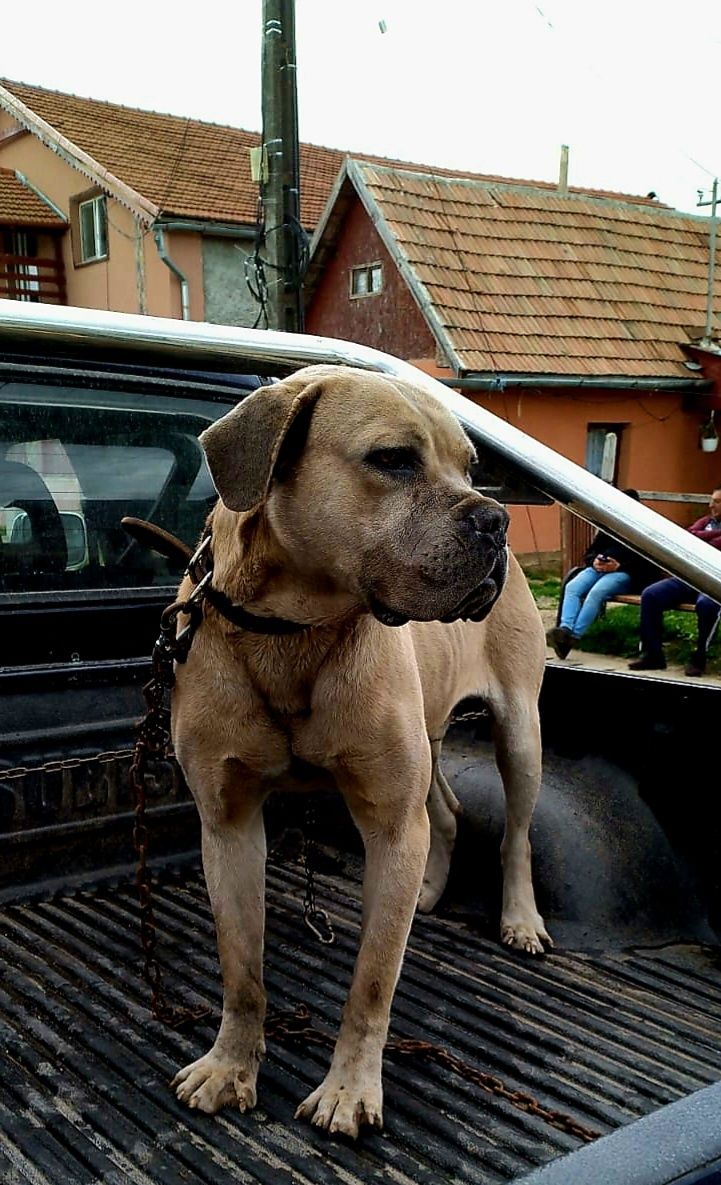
(415, 286)
(78, 159)
(475, 381)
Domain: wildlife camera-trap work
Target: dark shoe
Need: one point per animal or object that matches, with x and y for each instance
(648, 662)
(561, 640)
(696, 665)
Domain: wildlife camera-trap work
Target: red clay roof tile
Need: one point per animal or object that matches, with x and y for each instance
(195, 169)
(528, 281)
(21, 206)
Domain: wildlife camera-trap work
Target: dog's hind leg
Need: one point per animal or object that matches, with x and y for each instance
(443, 808)
(517, 738)
(234, 864)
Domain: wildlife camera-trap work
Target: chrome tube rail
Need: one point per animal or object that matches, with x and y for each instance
(188, 341)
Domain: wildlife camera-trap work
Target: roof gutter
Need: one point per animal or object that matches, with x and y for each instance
(43, 196)
(505, 382)
(159, 236)
(224, 230)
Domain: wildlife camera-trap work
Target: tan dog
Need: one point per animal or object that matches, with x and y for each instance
(346, 505)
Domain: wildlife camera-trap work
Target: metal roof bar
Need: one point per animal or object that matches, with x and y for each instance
(45, 326)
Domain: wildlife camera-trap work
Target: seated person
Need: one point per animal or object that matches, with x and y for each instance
(667, 594)
(611, 568)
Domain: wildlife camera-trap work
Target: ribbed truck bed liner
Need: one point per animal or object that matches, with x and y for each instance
(84, 1093)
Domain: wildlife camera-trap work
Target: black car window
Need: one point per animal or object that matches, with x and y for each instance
(72, 464)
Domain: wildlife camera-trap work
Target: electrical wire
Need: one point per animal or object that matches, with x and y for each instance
(610, 85)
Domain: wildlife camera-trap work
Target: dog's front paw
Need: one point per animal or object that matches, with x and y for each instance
(213, 1081)
(526, 934)
(342, 1106)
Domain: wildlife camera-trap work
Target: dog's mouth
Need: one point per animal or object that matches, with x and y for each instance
(475, 605)
(384, 614)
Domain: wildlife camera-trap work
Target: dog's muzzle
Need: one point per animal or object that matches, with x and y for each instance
(474, 606)
(481, 527)
(478, 603)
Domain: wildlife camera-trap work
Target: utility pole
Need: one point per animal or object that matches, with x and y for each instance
(284, 249)
(706, 341)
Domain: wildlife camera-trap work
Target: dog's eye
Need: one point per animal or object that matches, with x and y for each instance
(398, 462)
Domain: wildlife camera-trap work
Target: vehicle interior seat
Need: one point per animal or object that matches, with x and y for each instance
(46, 550)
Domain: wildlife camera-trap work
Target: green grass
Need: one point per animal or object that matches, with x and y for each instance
(616, 632)
(544, 587)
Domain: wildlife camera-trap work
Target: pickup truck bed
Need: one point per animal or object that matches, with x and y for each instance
(601, 1038)
(619, 1020)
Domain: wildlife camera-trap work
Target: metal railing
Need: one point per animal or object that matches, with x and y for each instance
(192, 343)
(32, 279)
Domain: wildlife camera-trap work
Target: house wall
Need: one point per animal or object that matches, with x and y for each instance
(186, 251)
(659, 449)
(133, 278)
(387, 320)
(659, 446)
(228, 299)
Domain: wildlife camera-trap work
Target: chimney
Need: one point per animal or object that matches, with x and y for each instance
(563, 172)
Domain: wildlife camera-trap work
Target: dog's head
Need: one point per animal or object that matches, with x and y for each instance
(364, 482)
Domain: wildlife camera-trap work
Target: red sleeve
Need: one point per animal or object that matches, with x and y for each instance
(712, 537)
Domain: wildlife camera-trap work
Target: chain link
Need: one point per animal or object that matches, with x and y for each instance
(52, 767)
(316, 919)
(154, 744)
(298, 1026)
(477, 714)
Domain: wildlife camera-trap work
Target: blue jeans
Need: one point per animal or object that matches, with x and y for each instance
(667, 594)
(585, 595)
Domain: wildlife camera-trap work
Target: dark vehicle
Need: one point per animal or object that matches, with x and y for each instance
(590, 1061)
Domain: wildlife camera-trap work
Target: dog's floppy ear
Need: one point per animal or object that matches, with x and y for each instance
(243, 447)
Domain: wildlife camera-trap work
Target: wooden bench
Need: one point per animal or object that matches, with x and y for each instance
(635, 599)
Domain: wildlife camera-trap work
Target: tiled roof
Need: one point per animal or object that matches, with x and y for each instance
(20, 206)
(523, 281)
(184, 166)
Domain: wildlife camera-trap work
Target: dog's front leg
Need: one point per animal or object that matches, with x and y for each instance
(234, 865)
(396, 839)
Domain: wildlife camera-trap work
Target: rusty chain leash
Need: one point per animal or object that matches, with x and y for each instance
(297, 1026)
(316, 919)
(154, 744)
(290, 1026)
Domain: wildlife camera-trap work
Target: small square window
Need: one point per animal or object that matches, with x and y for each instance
(93, 224)
(366, 280)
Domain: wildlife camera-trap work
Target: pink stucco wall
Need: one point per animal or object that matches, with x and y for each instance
(133, 278)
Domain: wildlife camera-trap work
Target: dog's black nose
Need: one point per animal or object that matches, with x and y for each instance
(488, 519)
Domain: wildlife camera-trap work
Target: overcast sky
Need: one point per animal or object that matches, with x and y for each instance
(494, 86)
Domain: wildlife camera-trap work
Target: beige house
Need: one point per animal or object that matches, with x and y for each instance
(104, 206)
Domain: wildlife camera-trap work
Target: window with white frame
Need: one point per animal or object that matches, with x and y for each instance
(366, 280)
(93, 226)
